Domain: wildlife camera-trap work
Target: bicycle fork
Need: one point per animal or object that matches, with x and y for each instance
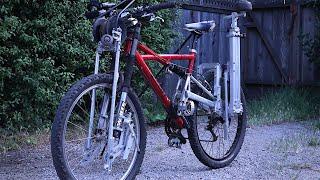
(121, 135)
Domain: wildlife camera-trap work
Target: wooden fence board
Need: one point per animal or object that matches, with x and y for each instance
(269, 53)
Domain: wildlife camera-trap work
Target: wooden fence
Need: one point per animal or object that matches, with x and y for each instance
(271, 53)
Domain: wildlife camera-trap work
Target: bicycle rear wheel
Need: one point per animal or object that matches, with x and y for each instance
(72, 157)
(206, 135)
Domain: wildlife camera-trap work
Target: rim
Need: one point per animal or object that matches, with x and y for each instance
(217, 148)
(97, 164)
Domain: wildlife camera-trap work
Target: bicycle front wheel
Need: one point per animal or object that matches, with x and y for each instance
(78, 147)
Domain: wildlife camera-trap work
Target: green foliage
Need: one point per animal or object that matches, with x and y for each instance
(317, 125)
(284, 105)
(158, 36)
(21, 140)
(311, 45)
(45, 46)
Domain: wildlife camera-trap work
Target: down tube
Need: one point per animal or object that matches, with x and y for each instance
(153, 81)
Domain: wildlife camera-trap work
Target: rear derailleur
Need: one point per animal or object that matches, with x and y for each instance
(173, 131)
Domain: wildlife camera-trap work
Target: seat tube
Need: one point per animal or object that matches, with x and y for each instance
(192, 61)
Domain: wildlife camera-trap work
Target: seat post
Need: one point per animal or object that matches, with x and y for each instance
(183, 44)
(196, 35)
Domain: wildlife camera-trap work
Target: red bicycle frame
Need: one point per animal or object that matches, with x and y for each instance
(164, 59)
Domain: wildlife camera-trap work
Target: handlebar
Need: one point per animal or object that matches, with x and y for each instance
(92, 14)
(242, 5)
(105, 8)
(160, 6)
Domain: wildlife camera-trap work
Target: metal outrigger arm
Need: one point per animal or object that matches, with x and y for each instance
(233, 73)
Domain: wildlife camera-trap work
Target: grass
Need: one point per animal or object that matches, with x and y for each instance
(290, 144)
(317, 125)
(297, 142)
(284, 105)
(276, 107)
(294, 143)
(288, 105)
(314, 141)
(20, 140)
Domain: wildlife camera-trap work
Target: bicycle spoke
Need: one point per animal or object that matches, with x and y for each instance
(76, 136)
(83, 110)
(79, 117)
(74, 147)
(219, 143)
(223, 152)
(96, 104)
(77, 163)
(77, 126)
(80, 139)
(206, 141)
(211, 147)
(77, 158)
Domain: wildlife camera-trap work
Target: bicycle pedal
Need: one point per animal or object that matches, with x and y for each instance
(174, 142)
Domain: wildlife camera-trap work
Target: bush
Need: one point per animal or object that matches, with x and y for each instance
(45, 47)
(311, 45)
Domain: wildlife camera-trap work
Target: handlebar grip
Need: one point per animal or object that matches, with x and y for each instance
(161, 6)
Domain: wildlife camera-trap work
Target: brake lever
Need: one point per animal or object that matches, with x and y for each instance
(107, 5)
(157, 18)
(153, 17)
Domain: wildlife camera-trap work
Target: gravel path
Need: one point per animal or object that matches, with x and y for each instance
(269, 152)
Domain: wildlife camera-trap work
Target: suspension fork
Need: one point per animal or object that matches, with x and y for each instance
(127, 81)
(129, 71)
(115, 130)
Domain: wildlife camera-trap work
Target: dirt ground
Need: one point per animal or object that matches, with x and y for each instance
(269, 152)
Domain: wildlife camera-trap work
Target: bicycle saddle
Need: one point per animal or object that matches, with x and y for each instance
(204, 26)
(243, 5)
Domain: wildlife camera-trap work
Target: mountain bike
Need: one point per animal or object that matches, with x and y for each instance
(99, 127)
